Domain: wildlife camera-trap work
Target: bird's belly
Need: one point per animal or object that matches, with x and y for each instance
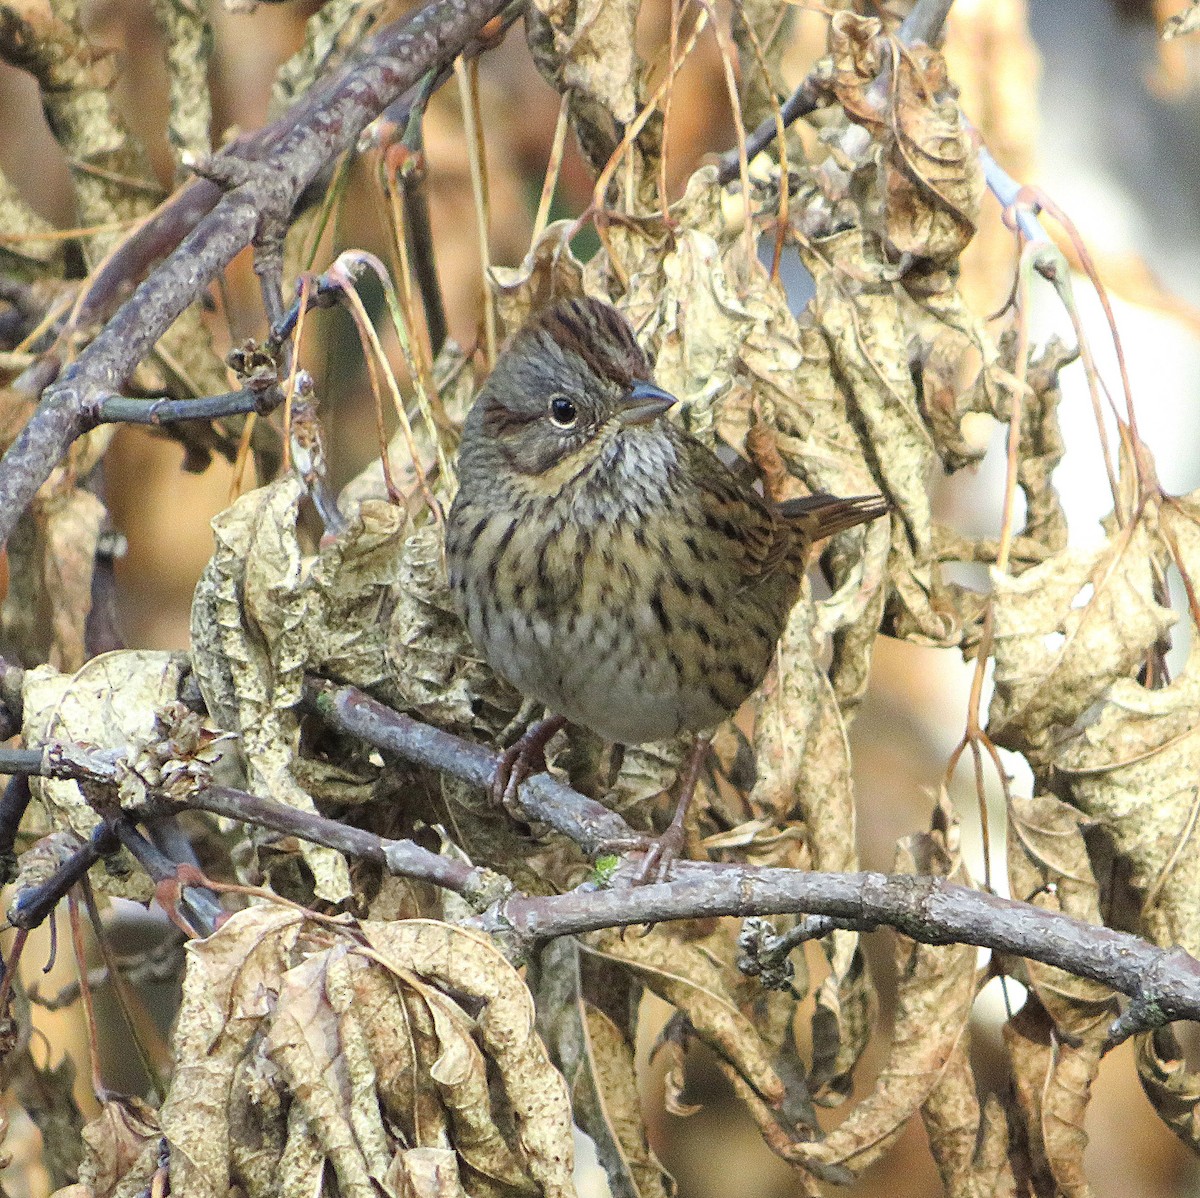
(588, 671)
(597, 674)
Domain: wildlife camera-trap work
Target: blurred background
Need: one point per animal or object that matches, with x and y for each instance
(1077, 96)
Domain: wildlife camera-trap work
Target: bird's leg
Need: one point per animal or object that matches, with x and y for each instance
(664, 849)
(525, 757)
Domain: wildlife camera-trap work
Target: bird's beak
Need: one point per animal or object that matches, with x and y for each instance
(645, 402)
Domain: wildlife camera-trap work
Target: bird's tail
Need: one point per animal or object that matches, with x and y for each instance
(823, 515)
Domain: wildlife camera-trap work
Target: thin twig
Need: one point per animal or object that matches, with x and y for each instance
(279, 165)
(923, 24)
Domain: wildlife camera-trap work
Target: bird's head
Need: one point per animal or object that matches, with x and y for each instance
(572, 385)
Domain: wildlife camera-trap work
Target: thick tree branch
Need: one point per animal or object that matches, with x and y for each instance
(322, 125)
(543, 799)
(402, 857)
(1163, 983)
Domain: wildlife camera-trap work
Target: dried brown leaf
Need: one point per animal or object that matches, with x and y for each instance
(121, 1148)
(52, 557)
(935, 995)
(804, 774)
(1049, 866)
(460, 1073)
(695, 984)
(369, 1051)
(597, 1060)
(468, 963)
(352, 581)
(109, 705)
(426, 1173)
(229, 988)
(252, 629)
(931, 183)
(1052, 1081)
(1058, 1040)
(549, 272)
(435, 671)
(1069, 628)
(1172, 1088)
(595, 46)
(305, 1040)
(970, 1147)
(862, 319)
(1132, 767)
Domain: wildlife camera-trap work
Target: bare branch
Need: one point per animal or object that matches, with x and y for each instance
(314, 132)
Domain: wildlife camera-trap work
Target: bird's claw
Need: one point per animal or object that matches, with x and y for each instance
(661, 853)
(523, 759)
(516, 764)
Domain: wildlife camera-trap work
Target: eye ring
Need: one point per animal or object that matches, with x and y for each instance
(563, 413)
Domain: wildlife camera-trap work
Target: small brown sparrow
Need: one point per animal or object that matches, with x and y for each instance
(605, 562)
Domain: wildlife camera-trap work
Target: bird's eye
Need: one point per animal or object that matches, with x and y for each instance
(562, 412)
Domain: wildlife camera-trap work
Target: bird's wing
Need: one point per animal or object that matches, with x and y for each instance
(760, 536)
(754, 535)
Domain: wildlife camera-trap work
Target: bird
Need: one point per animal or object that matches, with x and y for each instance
(605, 562)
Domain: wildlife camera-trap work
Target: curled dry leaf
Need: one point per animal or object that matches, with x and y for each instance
(51, 559)
(355, 1047)
(597, 1059)
(468, 964)
(549, 272)
(931, 183)
(1132, 769)
(684, 296)
(595, 45)
(804, 773)
(861, 319)
(121, 1147)
(1069, 628)
(1058, 1040)
(1052, 1081)
(682, 974)
(251, 620)
(1041, 447)
(434, 671)
(935, 994)
(588, 52)
(960, 372)
(969, 1144)
(1172, 1088)
(108, 705)
(789, 372)
(1049, 866)
(352, 582)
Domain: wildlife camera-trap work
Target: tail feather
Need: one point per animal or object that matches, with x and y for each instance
(824, 515)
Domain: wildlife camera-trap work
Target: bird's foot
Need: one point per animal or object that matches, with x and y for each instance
(661, 853)
(523, 759)
(664, 850)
